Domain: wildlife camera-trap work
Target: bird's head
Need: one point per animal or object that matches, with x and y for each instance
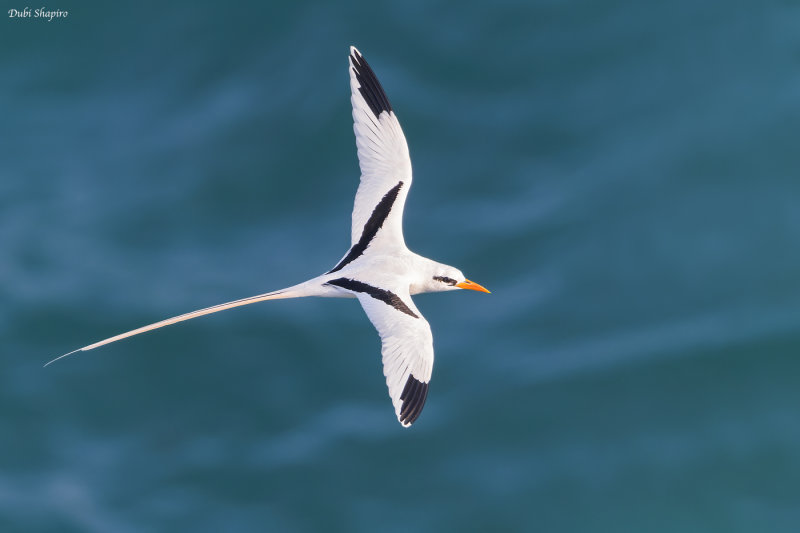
(447, 278)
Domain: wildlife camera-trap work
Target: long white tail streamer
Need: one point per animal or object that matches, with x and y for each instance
(275, 295)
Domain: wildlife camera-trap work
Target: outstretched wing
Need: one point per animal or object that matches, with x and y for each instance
(407, 344)
(383, 158)
(407, 349)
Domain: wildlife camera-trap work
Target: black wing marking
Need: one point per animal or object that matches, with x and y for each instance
(379, 294)
(370, 88)
(414, 395)
(375, 223)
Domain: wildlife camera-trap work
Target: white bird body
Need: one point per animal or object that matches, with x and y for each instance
(378, 269)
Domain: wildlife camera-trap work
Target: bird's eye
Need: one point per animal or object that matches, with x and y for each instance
(445, 279)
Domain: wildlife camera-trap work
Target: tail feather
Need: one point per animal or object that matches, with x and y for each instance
(296, 291)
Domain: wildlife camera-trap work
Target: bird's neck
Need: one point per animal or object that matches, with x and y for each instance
(422, 279)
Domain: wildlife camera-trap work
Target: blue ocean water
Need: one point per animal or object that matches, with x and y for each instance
(621, 175)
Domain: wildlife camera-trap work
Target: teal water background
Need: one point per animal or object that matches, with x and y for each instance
(622, 175)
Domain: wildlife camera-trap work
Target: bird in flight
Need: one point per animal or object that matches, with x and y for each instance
(378, 269)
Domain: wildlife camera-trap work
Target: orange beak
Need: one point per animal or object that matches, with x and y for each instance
(467, 284)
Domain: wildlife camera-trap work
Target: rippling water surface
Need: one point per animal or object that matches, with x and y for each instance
(623, 175)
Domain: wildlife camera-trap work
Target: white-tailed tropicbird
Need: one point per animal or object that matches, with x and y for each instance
(378, 269)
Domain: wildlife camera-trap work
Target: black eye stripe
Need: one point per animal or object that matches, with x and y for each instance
(445, 279)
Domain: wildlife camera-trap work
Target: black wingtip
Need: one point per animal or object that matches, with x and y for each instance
(370, 88)
(414, 395)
